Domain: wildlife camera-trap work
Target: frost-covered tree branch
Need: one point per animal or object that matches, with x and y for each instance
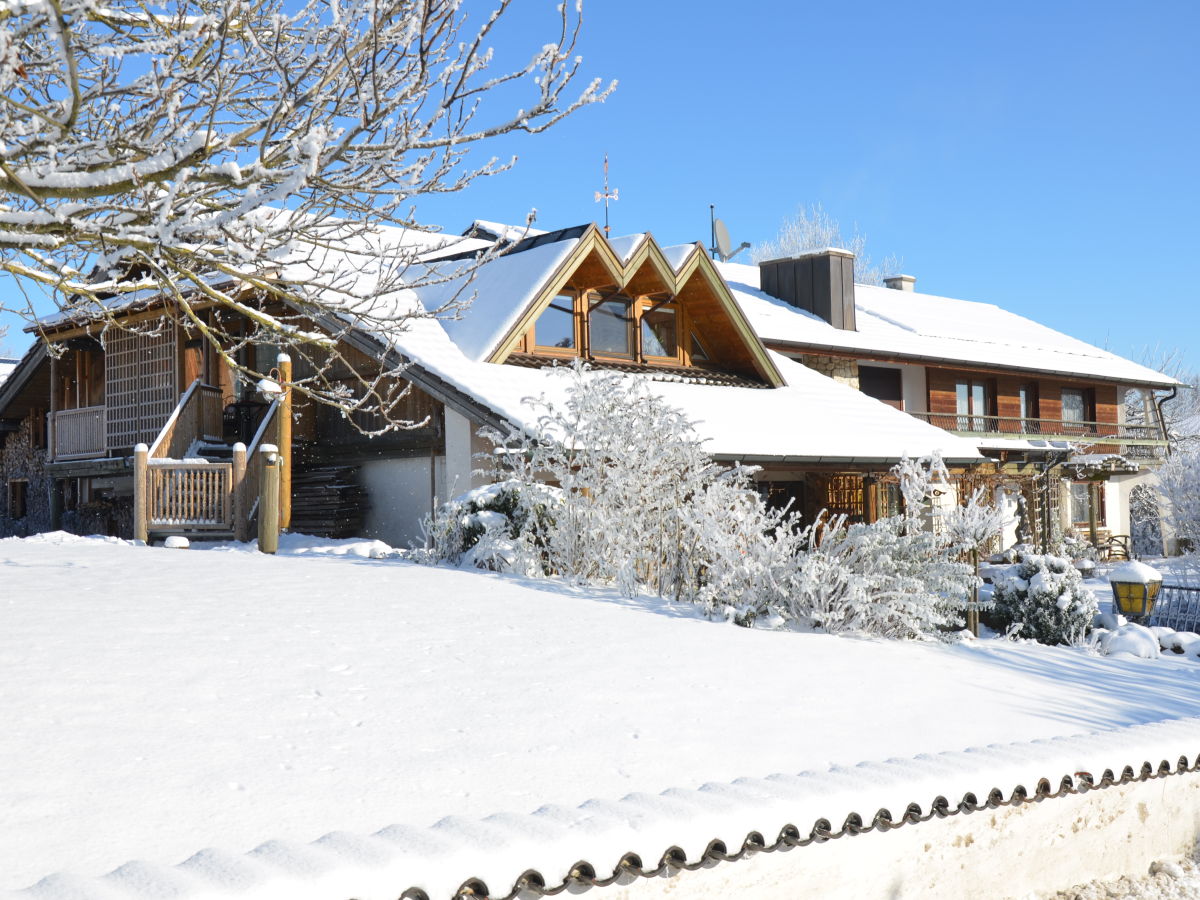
(226, 152)
(812, 228)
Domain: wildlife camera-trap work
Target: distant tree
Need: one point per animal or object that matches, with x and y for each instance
(814, 229)
(1181, 412)
(225, 151)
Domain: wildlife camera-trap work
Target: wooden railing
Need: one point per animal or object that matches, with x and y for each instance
(1015, 426)
(268, 433)
(79, 433)
(196, 416)
(189, 495)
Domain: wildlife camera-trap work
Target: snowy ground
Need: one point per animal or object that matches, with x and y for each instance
(161, 702)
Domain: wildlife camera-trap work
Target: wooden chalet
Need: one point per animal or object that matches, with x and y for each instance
(85, 396)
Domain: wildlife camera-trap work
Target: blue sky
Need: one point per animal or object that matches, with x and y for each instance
(1038, 156)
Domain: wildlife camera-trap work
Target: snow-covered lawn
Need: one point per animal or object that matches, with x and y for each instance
(160, 702)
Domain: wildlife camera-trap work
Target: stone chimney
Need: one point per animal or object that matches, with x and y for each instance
(821, 282)
(900, 282)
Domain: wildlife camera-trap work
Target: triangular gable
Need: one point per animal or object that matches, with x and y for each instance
(594, 263)
(591, 251)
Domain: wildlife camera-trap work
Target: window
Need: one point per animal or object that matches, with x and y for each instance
(1078, 410)
(555, 327)
(1085, 496)
(658, 331)
(882, 384)
(610, 327)
(972, 400)
(652, 329)
(1027, 397)
(18, 496)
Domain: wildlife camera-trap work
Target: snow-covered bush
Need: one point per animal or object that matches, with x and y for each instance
(638, 504)
(1179, 488)
(500, 526)
(888, 578)
(1046, 597)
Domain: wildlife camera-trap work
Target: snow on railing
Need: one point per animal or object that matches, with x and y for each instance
(1177, 608)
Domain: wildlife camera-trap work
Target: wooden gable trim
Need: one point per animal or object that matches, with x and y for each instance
(696, 264)
(699, 265)
(591, 241)
(648, 252)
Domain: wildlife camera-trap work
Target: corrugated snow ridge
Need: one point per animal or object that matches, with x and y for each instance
(505, 854)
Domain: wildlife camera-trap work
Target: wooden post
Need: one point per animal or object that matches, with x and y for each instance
(268, 503)
(141, 502)
(241, 506)
(973, 611)
(1093, 503)
(285, 442)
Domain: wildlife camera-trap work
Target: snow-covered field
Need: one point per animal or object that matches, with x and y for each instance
(161, 702)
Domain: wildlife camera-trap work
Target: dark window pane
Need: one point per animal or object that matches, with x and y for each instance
(610, 327)
(658, 332)
(882, 384)
(698, 352)
(555, 327)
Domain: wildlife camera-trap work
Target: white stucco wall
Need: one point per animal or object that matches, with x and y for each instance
(400, 493)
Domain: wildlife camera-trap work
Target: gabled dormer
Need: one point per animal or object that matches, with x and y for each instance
(630, 303)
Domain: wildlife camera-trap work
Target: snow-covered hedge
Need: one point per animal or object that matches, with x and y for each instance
(1045, 596)
(640, 505)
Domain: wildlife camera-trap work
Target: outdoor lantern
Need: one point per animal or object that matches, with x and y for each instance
(1135, 587)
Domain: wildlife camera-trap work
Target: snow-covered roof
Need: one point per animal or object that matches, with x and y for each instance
(499, 231)
(811, 418)
(908, 324)
(7, 365)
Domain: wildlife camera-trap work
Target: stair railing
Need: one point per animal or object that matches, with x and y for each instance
(197, 416)
(251, 486)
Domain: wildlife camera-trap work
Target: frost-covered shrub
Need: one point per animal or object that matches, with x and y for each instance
(889, 578)
(500, 526)
(1179, 489)
(1046, 597)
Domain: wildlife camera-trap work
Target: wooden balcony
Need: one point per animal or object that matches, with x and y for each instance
(1136, 440)
(79, 433)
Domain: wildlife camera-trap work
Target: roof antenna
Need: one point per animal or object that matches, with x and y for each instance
(721, 245)
(606, 195)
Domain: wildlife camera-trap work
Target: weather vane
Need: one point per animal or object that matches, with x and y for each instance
(606, 195)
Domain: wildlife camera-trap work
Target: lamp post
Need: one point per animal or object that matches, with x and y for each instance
(1135, 587)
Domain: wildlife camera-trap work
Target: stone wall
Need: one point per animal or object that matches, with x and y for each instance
(20, 460)
(836, 367)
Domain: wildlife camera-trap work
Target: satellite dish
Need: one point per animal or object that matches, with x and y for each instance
(723, 244)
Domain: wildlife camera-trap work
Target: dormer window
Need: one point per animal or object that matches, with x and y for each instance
(555, 327)
(648, 329)
(610, 326)
(659, 330)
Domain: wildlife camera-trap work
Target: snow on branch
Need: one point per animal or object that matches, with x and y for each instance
(256, 140)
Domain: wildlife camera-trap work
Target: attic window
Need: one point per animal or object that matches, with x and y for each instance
(610, 327)
(658, 331)
(555, 327)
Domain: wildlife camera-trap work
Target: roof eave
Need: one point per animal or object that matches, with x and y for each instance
(785, 347)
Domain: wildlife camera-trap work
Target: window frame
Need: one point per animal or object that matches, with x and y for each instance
(583, 303)
(973, 420)
(550, 350)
